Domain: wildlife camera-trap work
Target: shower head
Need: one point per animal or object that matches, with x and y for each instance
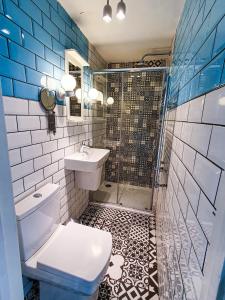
(142, 63)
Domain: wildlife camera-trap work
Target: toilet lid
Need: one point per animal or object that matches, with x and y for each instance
(79, 253)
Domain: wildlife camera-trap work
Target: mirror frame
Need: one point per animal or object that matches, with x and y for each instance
(72, 56)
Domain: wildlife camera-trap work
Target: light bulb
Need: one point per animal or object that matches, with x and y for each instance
(78, 94)
(121, 10)
(51, 84)
(110, 100)
(107, 13)
(68, 83)
(93, 94)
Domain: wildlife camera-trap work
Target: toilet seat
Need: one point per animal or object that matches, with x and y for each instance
(78, 255)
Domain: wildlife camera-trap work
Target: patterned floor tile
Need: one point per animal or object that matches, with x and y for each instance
(139, 233)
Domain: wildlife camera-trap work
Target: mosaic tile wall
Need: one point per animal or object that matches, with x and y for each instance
(133, 124)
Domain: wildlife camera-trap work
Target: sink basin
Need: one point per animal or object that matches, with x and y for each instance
(86, 162)
(87, 167)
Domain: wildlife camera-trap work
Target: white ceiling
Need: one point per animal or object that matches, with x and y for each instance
(150, 24)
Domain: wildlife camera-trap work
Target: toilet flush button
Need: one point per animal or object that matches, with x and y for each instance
(37, 195)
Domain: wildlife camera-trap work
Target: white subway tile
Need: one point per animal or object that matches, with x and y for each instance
(58, 134)
(182, 199)
(197, 236)
(33, 179)
(182, 112)
(217, 146)
(196, 109)
(186, 132)
(40, 136)
(62, 143)
(30, 152)
(49, 147)
(206, 215)
(28, 123)
(207, 175)
(22, 170)
(36, 109)
(42, 162)
(61, 164)
(44, 122)
(192, 191)
(18, 187)
(68, 131)
(18, 139)
(51, 169)
(186, 241)
(188, 157)
(57, 155)
(180, 171)
(44, 182)
(195, 273)
(14, 157)
(60, 110)
(61, 121)
(15, 106)
(214, 108)
(10, 123)
(179, 148)
(200, 137)
(58, 176)
(69, 150)
(177, 129)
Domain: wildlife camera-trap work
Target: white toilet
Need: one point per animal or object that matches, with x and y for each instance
(70, 260)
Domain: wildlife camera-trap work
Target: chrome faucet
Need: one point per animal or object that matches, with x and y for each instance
(84, 148)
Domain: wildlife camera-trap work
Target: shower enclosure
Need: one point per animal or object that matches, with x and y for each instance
(133, 126)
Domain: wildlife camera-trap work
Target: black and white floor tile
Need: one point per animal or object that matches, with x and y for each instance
(132, 273)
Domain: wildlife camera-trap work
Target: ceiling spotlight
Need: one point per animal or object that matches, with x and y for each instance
(121, 10)
(107, 13)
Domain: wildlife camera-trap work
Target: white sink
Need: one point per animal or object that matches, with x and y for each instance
(86, 162)
(87, 166)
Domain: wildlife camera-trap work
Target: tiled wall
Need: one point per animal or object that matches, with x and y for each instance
(33, 37)
(132, 123)
(187, 210)
(36, 156)
(190, 209)
(199, 51)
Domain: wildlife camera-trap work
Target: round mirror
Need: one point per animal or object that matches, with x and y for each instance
(48, 99)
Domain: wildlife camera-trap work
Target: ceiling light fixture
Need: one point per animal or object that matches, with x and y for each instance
(107, 13)
(121, 10)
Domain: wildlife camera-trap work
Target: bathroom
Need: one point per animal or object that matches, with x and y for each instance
(112, 181)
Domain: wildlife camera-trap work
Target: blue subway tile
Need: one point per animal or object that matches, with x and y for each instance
(205, 53)
(58, 73)
(58, 48)
(21, 55)
(71, 34)
(53, 3)
(26, 91)
(220, 37)
(210, 76)
(66, 41)
(62, 63)
(3, 46)
(43, 5)
(42, 35)
(32, 44)
(57, 19)
(52, 57)
(1, 6)
(31, 9)
(50, 27)
(34, 77)
(208, 6)
(14, 13)
(7, 86)
(10, 30)
(223, 76)
(64, 15)
(11, 69)
(44, 66)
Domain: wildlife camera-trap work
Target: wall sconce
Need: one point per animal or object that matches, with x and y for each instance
(93, 94)
(68, 83)
(110, 101)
